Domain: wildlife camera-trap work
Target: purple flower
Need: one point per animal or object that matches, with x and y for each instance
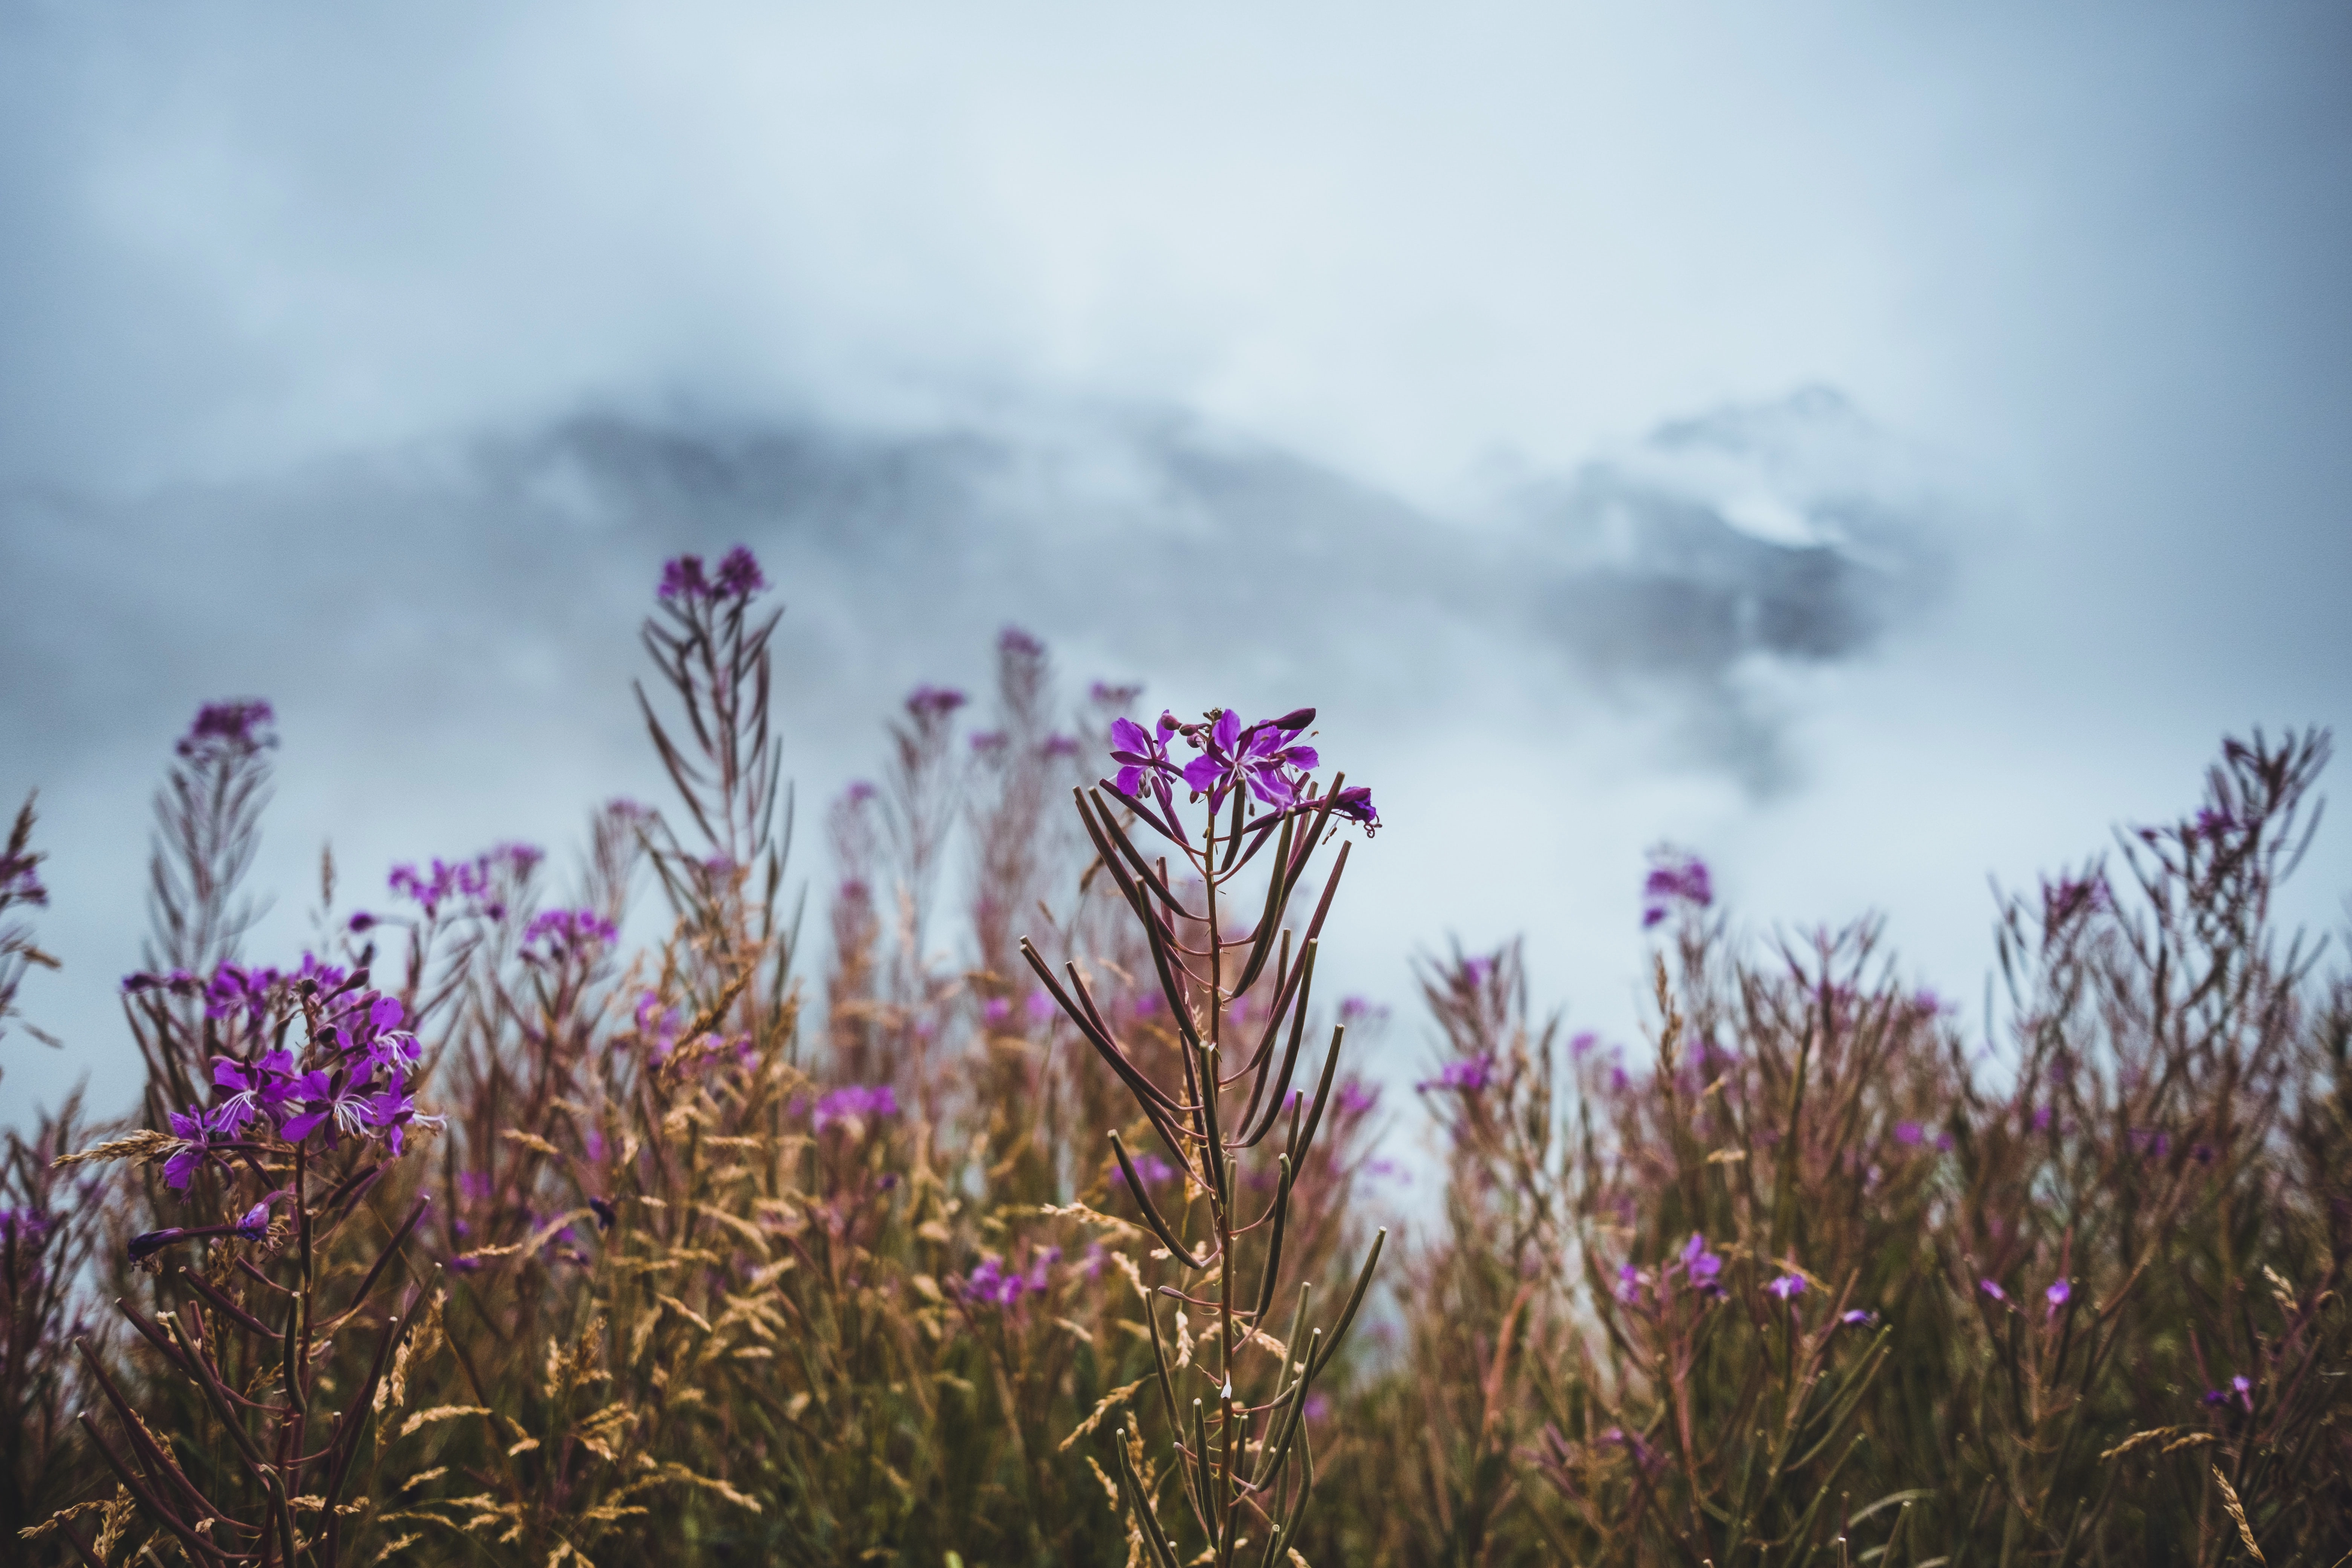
(1469, 1077)
(1909, 1132)
(1787, 1288)
(254, 1223)
(988, 743)
(471, 880)
(237, 989)
(1677, 878)
(2057, 1295)
(682, 578)
(1265, 757)
(604, 1212)
(568, 934)
(1860, 1318)
(1700, 1266)
(1475, 972)
(856, 1102)
(195, 1135)
(348, 1108)
(990, 1283)
(1629, 1281)
(1582, 1042)
(222, 730)
(1354, 804)
(739, 574)
(1142, 755)
(1022, 644)
(2240, 1390)
(1154, 1170)
(1993, 1290)
(391, 1112)
(933, 702)
(1352, 1099)
(178, 981)
(265, 1087)
(1059, 745)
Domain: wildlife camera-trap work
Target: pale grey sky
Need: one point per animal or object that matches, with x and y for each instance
(371, 360)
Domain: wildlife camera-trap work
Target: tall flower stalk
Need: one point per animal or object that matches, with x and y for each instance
(1246, 1465)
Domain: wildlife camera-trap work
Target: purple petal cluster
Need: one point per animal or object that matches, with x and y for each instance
(997, 1285)
(355, 1086)
(738, 577)
(2241, 1392)
(1677, 879)
(856, 1102)
(472, 880)
(228, 730)
(1702, 1269)
(1787, 1287)
(1266, 758)
(1155, 1170)
(560, 936)
(932, 703)
(1142, 756)
(1467, 1077)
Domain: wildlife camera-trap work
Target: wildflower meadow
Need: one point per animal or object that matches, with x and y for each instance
(989, 1181)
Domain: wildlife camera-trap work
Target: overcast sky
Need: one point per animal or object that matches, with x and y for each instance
(1879, 448)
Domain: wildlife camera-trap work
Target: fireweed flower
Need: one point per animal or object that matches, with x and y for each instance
(262, 1089)
(1993, 1290)
(1154, 1170)
(1787, 1288)
(1701, 1267)
(856, 1102)
(934, 701)
(2241, 1391)
(235, 989)
(195, 1135)
(1859, 1318)
(2057, 1295)
(1468, 1076)
(560, 936)
(1910, 1133)
(224, 731)
(682, 578)
(740, 576)
(1265, 757)
(1142, 755)
(1677, 878)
